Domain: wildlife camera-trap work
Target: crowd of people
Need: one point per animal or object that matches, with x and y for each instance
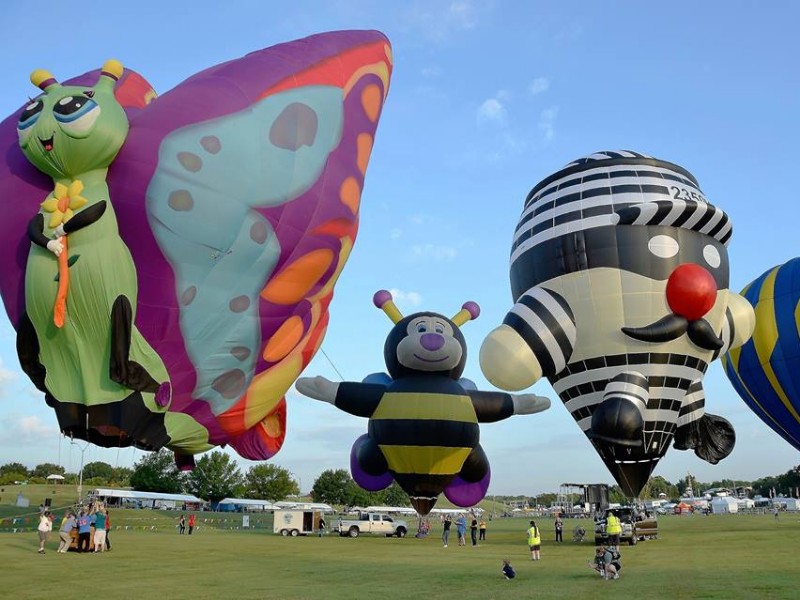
(93, 523)
(83, 519)
(607, 561)
(477, 529)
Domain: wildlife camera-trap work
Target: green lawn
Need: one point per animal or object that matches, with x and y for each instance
(724, 556)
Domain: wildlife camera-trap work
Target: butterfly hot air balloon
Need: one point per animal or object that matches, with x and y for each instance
(766, 370)
(619, 270)
(170, 260)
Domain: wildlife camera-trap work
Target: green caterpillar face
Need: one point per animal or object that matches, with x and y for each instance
(70, 130)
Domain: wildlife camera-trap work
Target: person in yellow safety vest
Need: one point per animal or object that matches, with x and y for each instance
(534, 540)
(613, 529)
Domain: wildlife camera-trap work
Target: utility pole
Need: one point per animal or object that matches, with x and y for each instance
(80, 473)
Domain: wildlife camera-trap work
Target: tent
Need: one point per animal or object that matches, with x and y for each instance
(724, 505)
(55, 478)
(683, 509)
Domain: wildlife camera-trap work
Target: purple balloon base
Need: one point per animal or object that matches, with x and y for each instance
(371, 483)
(465, 494)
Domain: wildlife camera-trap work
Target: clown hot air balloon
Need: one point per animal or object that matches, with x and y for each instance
(170, 261)
(619, 270)
(423, 424)
(766, 370)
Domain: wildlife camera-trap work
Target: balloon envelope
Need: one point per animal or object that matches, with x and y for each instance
(619, 271)
(237, 196)
(466, 494)
(766, 370)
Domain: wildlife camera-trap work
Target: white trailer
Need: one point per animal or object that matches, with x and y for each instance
(294, 522)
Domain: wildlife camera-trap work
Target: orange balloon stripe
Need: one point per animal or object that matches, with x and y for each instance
(338, 228)
(371, 101)
(292, 284)
(315, 340)
(284, 340)
(364, 146)
(335, 71)
(272, 430)
(350, 194)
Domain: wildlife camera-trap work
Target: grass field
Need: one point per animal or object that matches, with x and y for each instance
(723, 556)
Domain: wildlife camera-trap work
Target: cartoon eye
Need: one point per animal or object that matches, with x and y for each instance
(711, 254)
(76, 114)
(28, 117)
(421, 328)
(438, 328)
(30, 114)
(663, 246)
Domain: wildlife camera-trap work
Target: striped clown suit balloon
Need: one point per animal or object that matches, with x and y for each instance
(619, 270)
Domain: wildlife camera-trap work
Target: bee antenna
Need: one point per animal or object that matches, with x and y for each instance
(383, 300)
(469, 311)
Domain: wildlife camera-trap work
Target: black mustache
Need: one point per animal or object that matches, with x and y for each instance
(673, 326)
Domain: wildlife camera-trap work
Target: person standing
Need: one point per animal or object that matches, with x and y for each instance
(100, 530)
(84, 531)
(446, 523)
(473, 530)
(65, 532)
(44, 529)
(482, 530)
(534, 540)
(559, 529)
(613, 529)
(182, 524)
(191, 523)
(108, 529)
(461, 529)
(321, 526)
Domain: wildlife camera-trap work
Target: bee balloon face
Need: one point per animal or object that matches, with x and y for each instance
(430, 344)
(620, 272)
(425, 342)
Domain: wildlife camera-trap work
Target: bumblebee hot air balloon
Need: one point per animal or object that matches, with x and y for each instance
(766, 370)
(619, 270)
(423, 423)
(169, 260)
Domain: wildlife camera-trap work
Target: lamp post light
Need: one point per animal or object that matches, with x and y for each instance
(80, 473)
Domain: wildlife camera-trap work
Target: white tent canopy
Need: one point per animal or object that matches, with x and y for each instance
(55, 477)
(258, 504)
(153, 496)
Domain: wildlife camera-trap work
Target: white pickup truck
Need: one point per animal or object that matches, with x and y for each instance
(372, 523)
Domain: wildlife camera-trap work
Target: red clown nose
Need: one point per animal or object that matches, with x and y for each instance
(691, 291)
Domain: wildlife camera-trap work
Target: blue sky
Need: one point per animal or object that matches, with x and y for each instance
(487, 98)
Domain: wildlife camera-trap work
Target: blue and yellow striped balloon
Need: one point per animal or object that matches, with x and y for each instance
(766, 370)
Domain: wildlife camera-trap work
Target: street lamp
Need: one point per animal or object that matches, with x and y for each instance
(80, 473)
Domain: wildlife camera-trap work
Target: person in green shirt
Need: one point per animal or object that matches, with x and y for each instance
(534, 540)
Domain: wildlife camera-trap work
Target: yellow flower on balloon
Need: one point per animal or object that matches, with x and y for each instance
(61, 203)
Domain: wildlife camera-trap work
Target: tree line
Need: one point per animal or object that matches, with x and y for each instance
(217, 476)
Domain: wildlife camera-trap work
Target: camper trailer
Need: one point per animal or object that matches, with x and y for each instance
(294, 522)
